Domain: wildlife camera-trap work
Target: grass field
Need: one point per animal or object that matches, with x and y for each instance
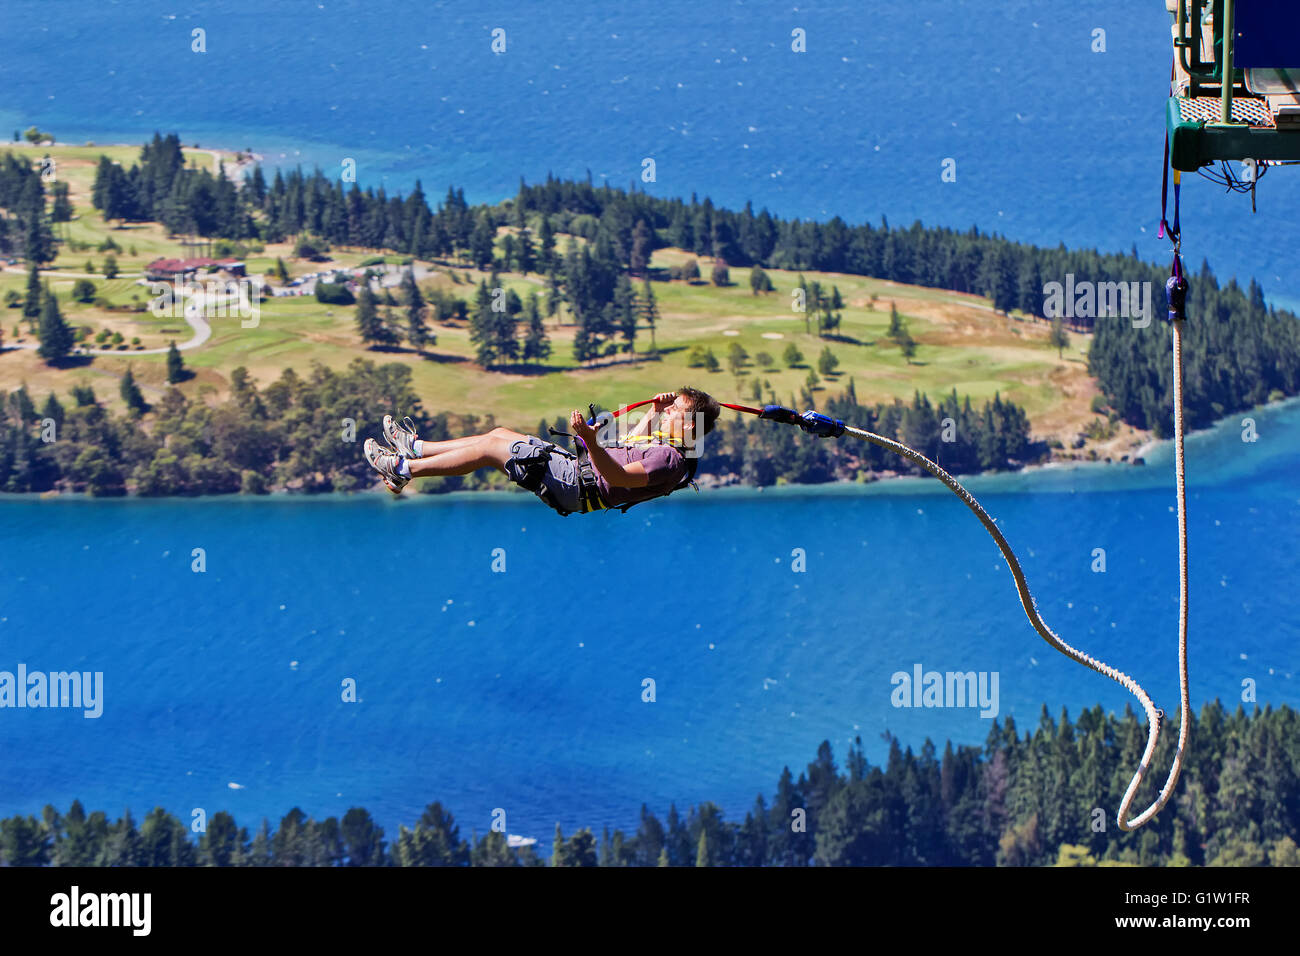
(962, 343)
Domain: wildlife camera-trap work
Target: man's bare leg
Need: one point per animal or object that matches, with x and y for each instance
(467, 455)
(431, 448)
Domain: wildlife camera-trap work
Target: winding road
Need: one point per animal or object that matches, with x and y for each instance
(193, 316)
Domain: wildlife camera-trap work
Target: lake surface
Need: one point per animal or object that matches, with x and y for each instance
(522, 689)
(1052, 142)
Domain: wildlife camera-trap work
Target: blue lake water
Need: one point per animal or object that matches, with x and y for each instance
(1053, 142)
(523, 689)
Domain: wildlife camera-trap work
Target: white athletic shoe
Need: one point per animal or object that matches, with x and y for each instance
(401, 435)
(384, 460)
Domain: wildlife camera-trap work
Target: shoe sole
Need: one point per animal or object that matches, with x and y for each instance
(388, 482)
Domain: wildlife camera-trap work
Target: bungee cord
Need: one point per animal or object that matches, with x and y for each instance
(826, 427)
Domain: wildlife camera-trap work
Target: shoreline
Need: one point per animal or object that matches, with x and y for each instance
(234, 171)
(893, 483)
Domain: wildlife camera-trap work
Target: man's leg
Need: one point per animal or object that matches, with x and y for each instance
(430, 448)
(467, 455)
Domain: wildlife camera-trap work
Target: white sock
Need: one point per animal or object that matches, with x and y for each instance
(418, 447)
(403, 467)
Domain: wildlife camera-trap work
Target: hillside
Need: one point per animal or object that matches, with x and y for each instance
(962, 343)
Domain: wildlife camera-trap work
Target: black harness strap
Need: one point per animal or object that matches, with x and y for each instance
(588, 487)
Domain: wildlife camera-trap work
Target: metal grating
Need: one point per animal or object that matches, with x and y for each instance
(1207, 109)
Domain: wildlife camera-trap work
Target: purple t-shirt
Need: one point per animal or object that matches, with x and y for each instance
(664, 466)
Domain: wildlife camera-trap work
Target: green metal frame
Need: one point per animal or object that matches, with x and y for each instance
(1196, 144)
(1196, 69)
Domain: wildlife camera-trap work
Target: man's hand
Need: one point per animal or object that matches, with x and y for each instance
(663, 400)
(581, 428)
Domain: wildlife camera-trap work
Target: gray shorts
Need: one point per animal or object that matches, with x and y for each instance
(560, 476)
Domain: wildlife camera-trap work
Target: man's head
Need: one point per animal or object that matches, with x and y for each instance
(691, 405)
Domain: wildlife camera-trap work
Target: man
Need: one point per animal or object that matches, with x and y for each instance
(651, 461)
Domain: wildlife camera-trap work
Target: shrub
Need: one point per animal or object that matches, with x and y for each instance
(334, 293)
(251, 483)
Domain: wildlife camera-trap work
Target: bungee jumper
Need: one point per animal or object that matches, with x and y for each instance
(648, 462)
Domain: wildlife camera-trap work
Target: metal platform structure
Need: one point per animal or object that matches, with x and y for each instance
(1255, 113)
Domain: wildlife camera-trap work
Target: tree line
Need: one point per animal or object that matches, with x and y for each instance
(303, 433)
(1044, 797)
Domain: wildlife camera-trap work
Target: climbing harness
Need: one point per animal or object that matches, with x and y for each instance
(528, 470)
(592, 499)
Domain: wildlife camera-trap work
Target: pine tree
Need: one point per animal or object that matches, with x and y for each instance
(702, 855)
(737, 358)
(175, 365)
(32, 300)
(546, 247)
(558, 856)
(554, 294)
(642, 246)
(132, 395)
(38, 244)
(827, 362)
(369, 324)
(55, 334)
(481, 327)
(649, 312)
(625, 312)
(536, 344)
(525, 254)
(482, 242)
(502, 323)
(1058, 338)
(417, 332)
(908, 346)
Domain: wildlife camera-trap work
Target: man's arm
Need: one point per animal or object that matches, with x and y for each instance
(631, 475)
(661, 401)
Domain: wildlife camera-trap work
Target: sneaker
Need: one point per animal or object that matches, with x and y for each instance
(384, 460)
(401, 435)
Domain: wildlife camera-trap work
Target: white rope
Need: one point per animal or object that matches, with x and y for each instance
(1154, 716)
